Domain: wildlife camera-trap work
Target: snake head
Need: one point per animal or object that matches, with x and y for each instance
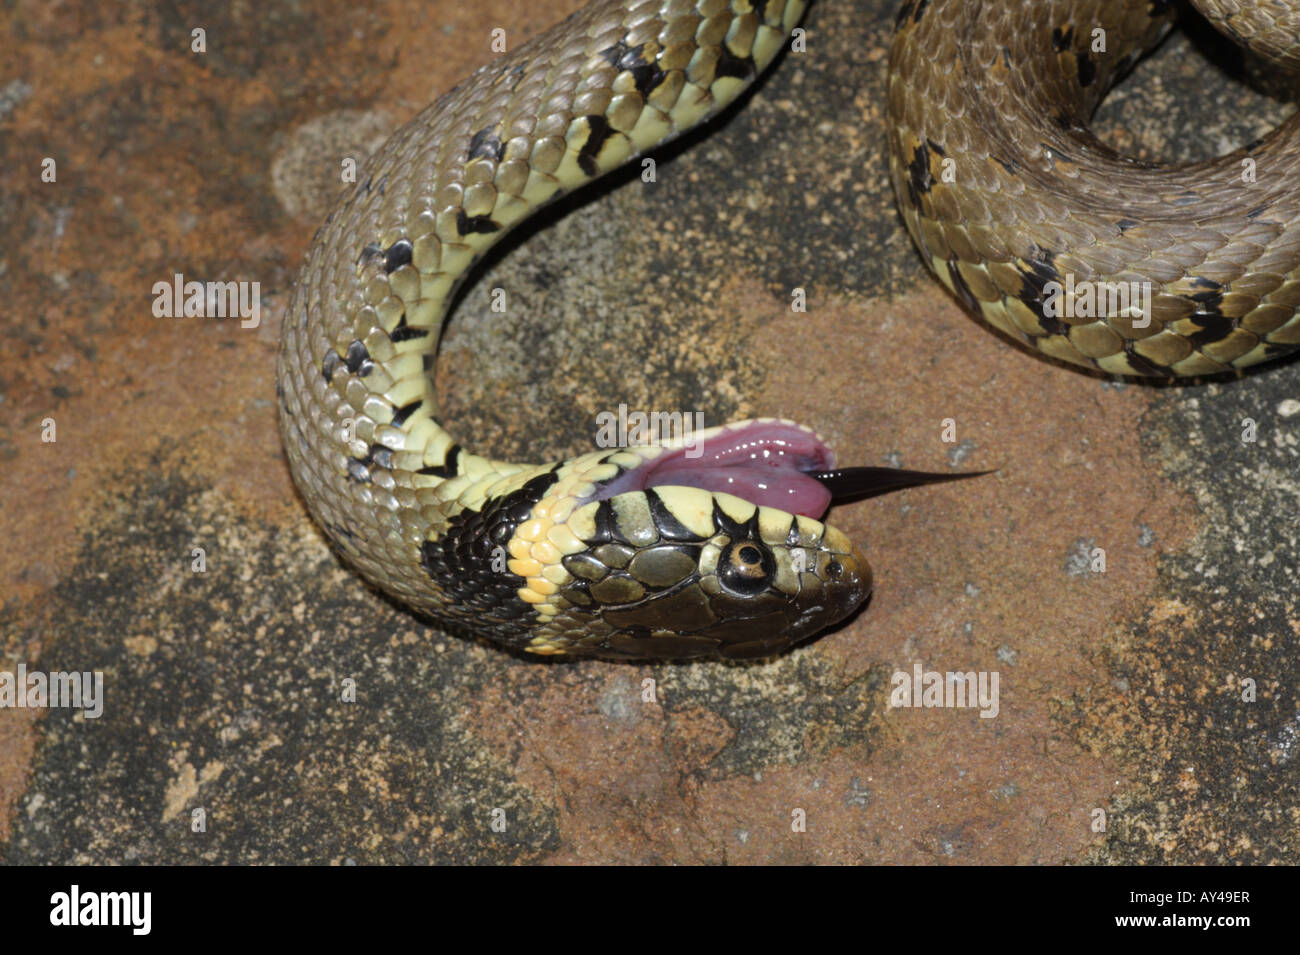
(759, 581)
(676, 555)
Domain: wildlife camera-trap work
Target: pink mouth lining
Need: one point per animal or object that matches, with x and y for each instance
(763, 463)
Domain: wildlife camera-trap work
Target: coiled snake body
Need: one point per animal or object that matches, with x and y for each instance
(649, 552)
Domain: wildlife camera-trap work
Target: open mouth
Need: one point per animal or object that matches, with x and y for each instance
(765, 462)
(770, 464)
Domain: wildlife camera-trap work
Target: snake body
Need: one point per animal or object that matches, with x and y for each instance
(1010, 197)
(647, 552)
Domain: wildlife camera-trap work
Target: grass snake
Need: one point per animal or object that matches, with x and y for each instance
(649, 552)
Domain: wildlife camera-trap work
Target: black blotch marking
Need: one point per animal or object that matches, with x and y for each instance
(740, 67)
(646, 75)
(1126, 224)
(461, 560)
(369, 253)
(1257, 211)
(919, 179)
(669, 526)
(358, 472)
(358, 359)
(606, 526)
(1209, 290)
(733, 528)
(1213, 325)
(1277, 349)
(404, 412)
(397, 255)
(914, 9)
(382, 184)
(515, 74)
(404, 332)
(1041, 270)
(483, 225)
(599, 132)
(447, 468)
(1062, 41)
(485, 144)
(1187, 199)
(330, 364)
(1087, 69)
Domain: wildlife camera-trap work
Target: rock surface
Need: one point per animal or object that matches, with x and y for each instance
(1120, 691)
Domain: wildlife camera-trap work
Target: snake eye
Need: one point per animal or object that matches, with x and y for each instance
(745, 567)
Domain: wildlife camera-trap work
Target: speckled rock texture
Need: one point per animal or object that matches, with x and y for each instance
(310, 720)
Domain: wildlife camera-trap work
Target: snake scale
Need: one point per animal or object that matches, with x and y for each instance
(648, 552)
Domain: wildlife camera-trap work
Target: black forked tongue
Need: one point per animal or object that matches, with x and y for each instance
(852, 484)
